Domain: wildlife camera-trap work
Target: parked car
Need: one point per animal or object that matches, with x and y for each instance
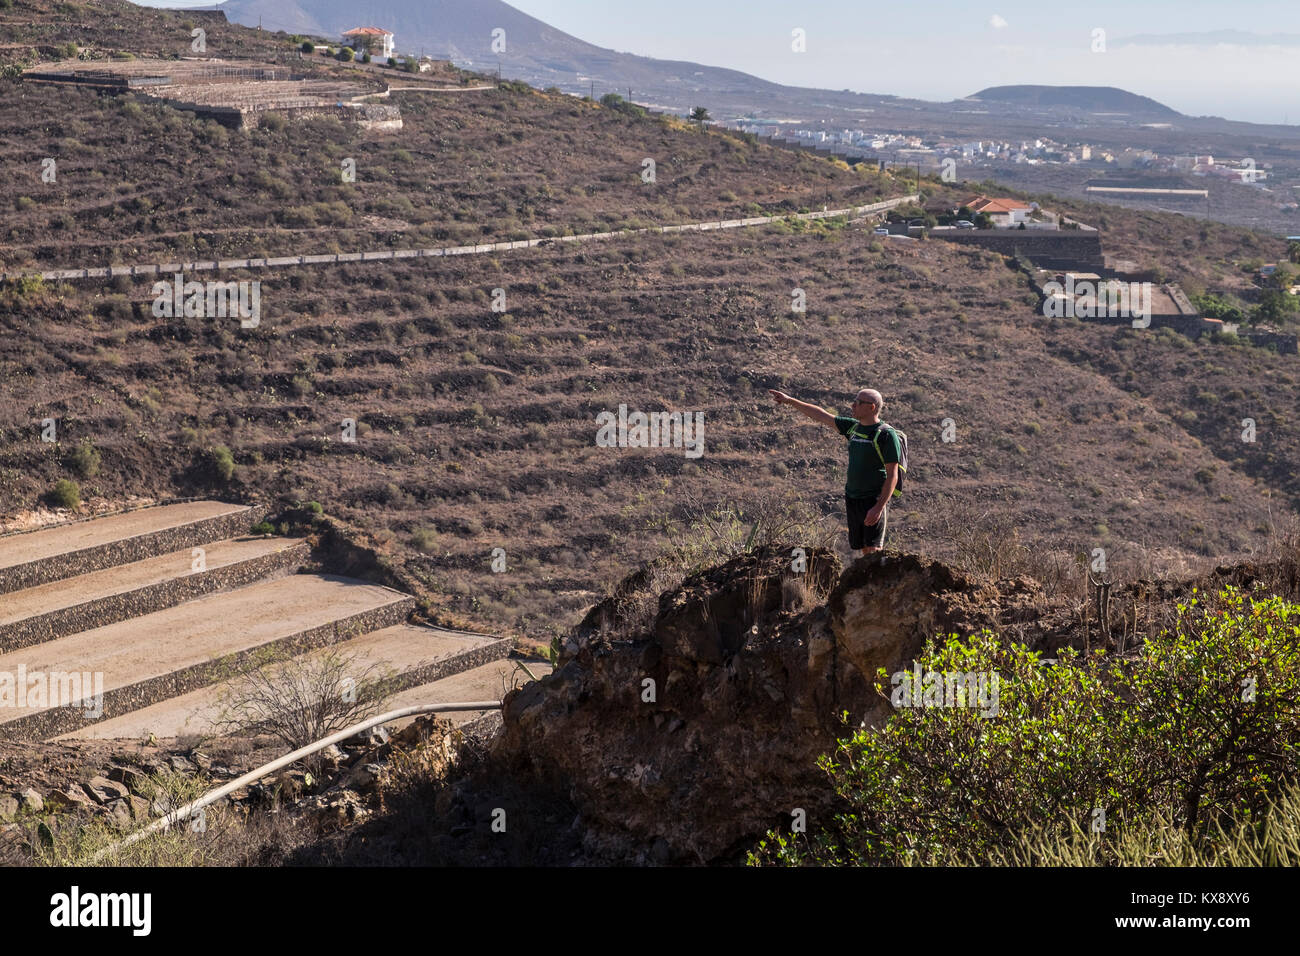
(965, 224)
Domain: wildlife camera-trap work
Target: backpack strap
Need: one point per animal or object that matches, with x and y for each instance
(875, 441)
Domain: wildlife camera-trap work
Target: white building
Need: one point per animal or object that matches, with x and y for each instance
(362, 39)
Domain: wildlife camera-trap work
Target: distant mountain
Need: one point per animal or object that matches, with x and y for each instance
(461, 31)
(1211, 38)
(1097, 99)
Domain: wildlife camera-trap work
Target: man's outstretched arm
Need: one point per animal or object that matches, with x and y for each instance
(815, 412)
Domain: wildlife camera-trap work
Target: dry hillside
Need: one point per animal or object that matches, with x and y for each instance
(476, 429)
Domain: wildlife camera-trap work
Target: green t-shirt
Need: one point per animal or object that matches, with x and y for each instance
(866, 468)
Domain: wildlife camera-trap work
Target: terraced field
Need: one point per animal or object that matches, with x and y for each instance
(162, 651)
(474, 382)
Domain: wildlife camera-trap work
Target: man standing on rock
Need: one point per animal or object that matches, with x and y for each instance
(873, 464)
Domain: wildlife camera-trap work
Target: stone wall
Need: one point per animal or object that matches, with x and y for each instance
(147, 600)
(125, 551)
(1076, 249)
(1285, 344)
(123, 700)
(371, 116)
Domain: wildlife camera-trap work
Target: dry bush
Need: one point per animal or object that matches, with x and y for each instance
(770, 521)
(304, 699)
(986, 543)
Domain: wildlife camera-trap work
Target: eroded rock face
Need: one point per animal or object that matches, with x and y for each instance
(886, 607)
(682, 740)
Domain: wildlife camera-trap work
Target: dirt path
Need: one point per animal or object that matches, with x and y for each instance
(276, 262)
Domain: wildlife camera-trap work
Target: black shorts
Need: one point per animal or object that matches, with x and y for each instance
(860, 535)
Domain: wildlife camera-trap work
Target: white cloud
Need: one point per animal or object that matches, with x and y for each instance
(996, 22)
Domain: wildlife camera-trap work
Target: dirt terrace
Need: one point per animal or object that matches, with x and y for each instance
(232, 84)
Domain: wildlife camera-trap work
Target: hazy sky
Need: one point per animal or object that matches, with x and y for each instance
(943, 49)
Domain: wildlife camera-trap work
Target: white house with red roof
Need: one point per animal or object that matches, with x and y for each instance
(378, 42)
(1005, 213)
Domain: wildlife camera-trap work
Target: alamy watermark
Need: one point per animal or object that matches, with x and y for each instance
(40, 690)
(651, 430)
(211, 300)
(1109, 298)
(918, 688)
(74, 908)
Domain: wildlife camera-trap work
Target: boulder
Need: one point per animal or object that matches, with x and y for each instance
(179, 764)
(129, 777)
(69, 798)
(139, 808)
(120, 812)
(364, 777)
(105, 791)
(30, 801)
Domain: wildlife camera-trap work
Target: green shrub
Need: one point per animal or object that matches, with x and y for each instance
(1202, 731)
(424, 540)
(308, 47)
(85, 461)
(262, 527)
(346, 54)
(65, 494)
(615, 102)
(223, 462)
(1216, 307)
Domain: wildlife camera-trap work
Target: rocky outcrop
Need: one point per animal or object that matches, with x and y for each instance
(682, 739)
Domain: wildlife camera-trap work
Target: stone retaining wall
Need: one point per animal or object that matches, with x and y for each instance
(127, 550)
(1285, 344)
(124, 700)
(456, 664)
(147, 600)
(1077, 248)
